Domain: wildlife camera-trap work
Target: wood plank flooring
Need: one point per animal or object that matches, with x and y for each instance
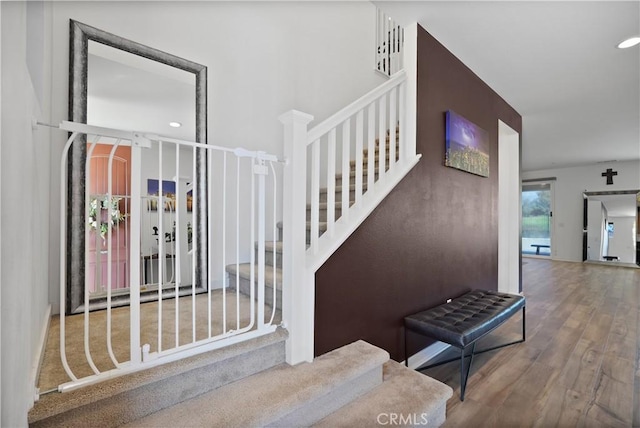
(580, 364)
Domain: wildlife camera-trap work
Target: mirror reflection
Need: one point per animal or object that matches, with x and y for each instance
(611, 227)
(121, 84)
(126, 91)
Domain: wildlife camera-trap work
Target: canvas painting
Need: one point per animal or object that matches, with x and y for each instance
(467, 145)
(168, 190)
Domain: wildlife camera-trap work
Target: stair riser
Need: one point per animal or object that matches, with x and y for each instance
(315, 410)
(128, 406)
(323, 214)
(352, 178)
(352, 194)
(245, 288)
(365, 152)
(268, 258)
(308, 234)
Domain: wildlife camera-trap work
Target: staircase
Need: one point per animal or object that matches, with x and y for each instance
(273, 251)
(249, 385)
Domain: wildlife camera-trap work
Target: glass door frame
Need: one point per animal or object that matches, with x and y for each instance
(550, 182)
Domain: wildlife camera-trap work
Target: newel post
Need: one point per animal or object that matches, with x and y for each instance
(410, 101)
(298, 288)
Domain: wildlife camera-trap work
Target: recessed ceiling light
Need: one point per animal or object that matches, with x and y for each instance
(631, 41)
(175, 124)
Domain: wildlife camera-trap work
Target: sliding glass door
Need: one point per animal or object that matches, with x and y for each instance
(537, 223)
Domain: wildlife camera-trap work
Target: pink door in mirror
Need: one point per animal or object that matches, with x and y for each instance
(107, 221)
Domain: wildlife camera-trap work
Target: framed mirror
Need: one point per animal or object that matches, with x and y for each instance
(87, 42)
(611, 227)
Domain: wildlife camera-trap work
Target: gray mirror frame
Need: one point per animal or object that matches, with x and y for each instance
(585, 196)
(79, 36)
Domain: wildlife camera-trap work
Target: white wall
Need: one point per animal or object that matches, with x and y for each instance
(596, 230)
(263, 58)
(570, 184)
(509, 208)
(623, 241)
(1, 218)
(25, 175)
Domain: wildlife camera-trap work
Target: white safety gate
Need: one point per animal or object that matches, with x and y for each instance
(164, 311)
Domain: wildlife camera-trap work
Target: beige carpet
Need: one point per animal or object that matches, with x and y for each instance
(53, 374)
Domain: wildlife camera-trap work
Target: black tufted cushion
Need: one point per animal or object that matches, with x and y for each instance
(465, 318)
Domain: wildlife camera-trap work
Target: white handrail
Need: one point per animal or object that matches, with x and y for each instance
(130, 137)
(335, 119)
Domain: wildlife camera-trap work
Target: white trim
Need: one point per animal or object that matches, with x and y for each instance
(1, 212)
(410, 59)
(39, 354)
(509, 209)
(555, 260)
(427, 354)
(170, 356)
(358, 214)
(336, 119)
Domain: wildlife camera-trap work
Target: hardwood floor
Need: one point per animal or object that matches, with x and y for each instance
(580, 364)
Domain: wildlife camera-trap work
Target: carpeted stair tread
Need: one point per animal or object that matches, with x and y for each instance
(403, 392)
(271, 397)
(352, 187)
(325, 205)
(129, 397)
(352, 173)
(244, 270)
(269, 245)
(365, 160)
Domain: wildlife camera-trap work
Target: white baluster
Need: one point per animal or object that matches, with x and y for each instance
(260, 169)
(371, 145)
(331, 182)
(134, 268)
(382, 135)
(359, 154)
(161, 249)
(346, 170)
(393, 106)
(315, 194)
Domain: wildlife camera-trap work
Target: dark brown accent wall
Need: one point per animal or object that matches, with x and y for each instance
(434, 237)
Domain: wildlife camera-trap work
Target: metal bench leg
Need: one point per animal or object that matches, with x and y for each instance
(524, 334)
(464, 376)
(406, 354)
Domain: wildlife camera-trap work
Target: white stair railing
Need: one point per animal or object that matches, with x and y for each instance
(380, 125)
(184, 317)
(389, 44)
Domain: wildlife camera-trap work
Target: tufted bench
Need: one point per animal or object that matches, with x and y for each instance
(463, 321)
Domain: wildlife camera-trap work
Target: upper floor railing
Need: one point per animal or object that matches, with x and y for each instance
(389, 44)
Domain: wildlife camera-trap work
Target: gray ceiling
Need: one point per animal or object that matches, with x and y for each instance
(556, 63)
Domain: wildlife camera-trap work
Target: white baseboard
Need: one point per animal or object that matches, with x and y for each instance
(566, 260)
(218, 284)
(38, 356)
(427, 354)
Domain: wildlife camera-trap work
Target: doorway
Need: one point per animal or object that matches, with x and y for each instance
(108, 228)
(537, 219)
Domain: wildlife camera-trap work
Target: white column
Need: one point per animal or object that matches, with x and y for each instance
(509, 211)
(298, 288)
